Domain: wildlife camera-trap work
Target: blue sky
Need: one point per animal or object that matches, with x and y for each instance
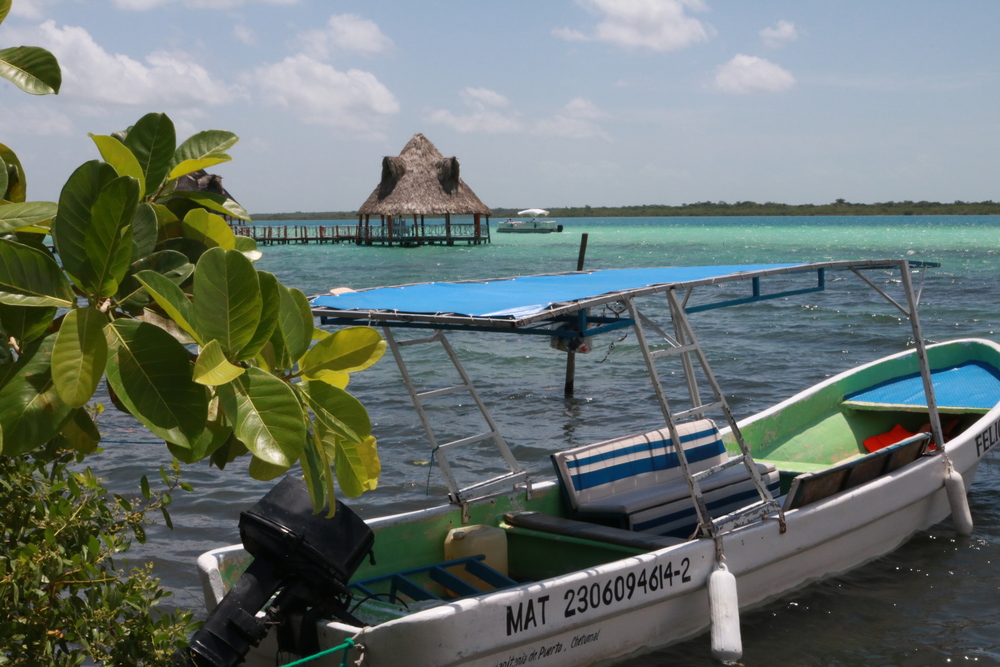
(554, 103)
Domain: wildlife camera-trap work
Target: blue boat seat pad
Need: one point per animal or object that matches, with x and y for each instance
(972, 384)
(631, 502)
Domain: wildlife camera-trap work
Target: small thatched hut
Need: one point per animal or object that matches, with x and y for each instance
(420, 182)
(202, 181)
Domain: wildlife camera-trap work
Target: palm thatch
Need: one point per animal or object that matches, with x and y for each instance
(202, 181)
(420, 181)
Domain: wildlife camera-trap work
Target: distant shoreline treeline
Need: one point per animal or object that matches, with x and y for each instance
(700, 209)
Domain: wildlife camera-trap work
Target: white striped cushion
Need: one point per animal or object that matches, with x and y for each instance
(595, 472)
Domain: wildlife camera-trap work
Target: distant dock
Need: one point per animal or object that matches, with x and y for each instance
(393, 234)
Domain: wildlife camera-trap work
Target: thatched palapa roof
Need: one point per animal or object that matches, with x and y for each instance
(202, 181)
(420, 181)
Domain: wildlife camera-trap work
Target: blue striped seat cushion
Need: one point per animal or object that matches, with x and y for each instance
(593, 473)
(678, 518)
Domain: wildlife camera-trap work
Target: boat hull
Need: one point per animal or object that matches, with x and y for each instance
(644, 601)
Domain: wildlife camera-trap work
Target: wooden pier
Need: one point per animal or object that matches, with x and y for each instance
(393, 234)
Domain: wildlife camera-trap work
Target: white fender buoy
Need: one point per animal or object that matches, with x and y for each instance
(727, 645)
(961, 516)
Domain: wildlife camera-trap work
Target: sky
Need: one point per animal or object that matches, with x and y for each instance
(545, 103)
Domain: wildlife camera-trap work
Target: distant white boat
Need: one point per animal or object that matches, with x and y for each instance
(533, 226)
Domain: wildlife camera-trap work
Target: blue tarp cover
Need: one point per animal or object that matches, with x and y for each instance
(524, 296)
(969, 385)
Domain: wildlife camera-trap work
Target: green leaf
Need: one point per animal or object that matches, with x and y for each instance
(334, 378)
(248, 247)
(79, 355)
(150, 373)
(81, 432)
(4, 9)
(212, 367)
(25, 323)
(70, 226)
(190, 166)
(108, 240)
(171, 265)
(152, 140)
(171, 299)
(347, 351)
(4, 179)
(30, 277)
(120, 157)
(32, 69)
(24, 214)
(228, 452)
(266, 415)
(270, 303)
(217, 433)
(227, 301)
(209, 229)
(338, 411)
(205, 145)
(31, 412)
(219, 203)
(357, 466)
(295, 321)
(264, 471)
(15, 190)
(144, 231)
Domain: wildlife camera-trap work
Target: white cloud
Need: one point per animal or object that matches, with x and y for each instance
(488, 113)
(576, 121)
(484, 114)
(144, 5)
(344, 32)
(245, 34)
(750, 74)
(30, 9)
(35, 119)
(91, 75)
(657, 25)
(352, 101)
(779, 35)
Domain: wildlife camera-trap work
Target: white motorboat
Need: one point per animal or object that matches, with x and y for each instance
(656, 536)
(532, 226)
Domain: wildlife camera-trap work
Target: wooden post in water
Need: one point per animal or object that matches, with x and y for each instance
(571, 356)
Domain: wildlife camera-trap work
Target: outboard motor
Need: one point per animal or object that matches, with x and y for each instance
(305, 558)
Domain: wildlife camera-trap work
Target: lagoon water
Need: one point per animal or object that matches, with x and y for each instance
(932, 602)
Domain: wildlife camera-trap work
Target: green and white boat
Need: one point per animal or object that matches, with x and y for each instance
(638, 542)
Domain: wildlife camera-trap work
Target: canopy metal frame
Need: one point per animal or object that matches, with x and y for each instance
(573, 319)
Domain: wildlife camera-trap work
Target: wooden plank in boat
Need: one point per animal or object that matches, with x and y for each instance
(814, 486)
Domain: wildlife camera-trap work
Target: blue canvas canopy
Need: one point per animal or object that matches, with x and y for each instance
(517, 302)
(521, 296)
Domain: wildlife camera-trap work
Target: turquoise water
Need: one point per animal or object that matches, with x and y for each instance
(929, 602)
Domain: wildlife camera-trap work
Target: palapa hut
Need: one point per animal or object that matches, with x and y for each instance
(416, 184)
(202, 181)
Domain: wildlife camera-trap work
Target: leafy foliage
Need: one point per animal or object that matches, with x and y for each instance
(64, 598)
(155, 294)
(31, 68)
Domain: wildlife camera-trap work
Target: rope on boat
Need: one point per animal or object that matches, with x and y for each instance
(345, 647)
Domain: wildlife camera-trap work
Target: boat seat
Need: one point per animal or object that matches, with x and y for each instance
(547, 523)
(593, 473)
(970, 387)
(638, 481)
(815, 486)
